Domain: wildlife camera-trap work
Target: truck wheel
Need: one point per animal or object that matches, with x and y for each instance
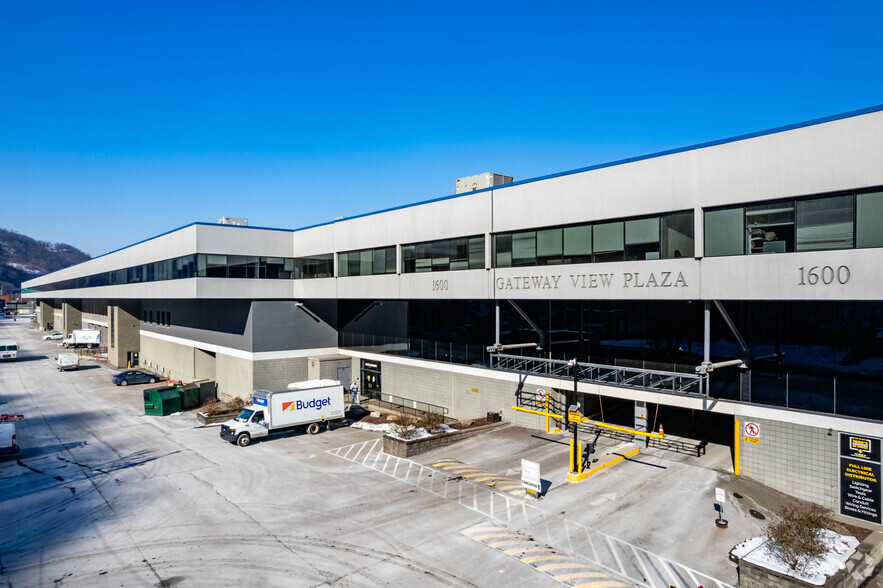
(313, 428)
(124, 383)
(243, 440)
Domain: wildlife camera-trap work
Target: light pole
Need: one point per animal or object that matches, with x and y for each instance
(573, 406)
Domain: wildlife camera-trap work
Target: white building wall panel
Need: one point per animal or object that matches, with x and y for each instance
(454, 217)
(851, 274)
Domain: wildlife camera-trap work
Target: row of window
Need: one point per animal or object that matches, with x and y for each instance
(839, 221)
(163, 317)
(654, 237)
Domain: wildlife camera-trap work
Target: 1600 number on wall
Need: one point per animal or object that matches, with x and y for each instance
(439, 285)
(823, 275)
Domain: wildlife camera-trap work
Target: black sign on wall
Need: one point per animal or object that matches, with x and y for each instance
(860, 477)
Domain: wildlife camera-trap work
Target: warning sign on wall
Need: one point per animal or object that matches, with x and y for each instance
(751, 432)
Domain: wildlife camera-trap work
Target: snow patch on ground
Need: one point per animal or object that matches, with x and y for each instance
(387, 428)
(760, 551)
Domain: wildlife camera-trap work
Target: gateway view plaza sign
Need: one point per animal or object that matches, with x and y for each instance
(659, 279)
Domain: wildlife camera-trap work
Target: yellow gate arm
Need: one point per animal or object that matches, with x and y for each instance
(659, 435)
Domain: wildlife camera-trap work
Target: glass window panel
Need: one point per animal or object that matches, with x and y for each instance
(476, 252)
(825, 223)
(677, 235)
(379, 261)
(424, 265)
(289, 265)
(869, 220)
(524, 248)
(607, 237)
(342, 265)
(725, 232)
(578, 240)
(645, 230)
(390, 260)
(216, 259)
(366, 262)
(770, 213)
(549, 243)
(503, 253)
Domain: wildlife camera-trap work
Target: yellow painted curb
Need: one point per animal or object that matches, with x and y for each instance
(571, 477)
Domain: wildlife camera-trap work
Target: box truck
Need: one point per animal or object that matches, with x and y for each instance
(67, 361)
(83, 338)
(304, 404)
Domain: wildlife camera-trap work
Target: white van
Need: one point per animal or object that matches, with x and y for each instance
(67, 361)
(8, 441)
(8, 350)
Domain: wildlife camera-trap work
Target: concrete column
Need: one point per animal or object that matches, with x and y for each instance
(45, 315)
(72, 316)
(641, 423)
(123, 334)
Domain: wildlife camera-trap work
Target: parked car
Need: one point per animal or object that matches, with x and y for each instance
(56, 336)
(134, 377)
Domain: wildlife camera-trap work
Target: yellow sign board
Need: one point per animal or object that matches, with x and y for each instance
(574, 416)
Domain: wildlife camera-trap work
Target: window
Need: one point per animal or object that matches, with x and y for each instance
(608, 242)
(642, 239)
(666, 236)
(443, 255)
(838, 221)
(367, 262)
(869, 219)
(825, 223)
(725, 232)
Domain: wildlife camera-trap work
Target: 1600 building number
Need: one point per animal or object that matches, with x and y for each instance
(823, 275)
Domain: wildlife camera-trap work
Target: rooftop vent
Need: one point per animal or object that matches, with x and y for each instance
(232, 220)
(481, 181)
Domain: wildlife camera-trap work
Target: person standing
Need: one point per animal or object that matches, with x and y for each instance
(354, 392)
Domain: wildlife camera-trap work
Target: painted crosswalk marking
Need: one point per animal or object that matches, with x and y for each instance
(477, 475)
(514, 513)
(565, 569)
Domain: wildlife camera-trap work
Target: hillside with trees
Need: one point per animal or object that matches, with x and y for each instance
(23, 258)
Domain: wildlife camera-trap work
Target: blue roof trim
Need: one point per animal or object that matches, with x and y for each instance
(773, 131)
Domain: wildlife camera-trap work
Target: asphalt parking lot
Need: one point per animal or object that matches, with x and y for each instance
(102, 495)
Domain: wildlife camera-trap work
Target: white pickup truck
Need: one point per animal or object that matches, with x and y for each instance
(309, 404)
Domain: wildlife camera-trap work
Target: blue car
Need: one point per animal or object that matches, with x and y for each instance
(134, 377)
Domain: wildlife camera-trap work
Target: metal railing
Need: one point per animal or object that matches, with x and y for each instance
(409, 406)
(681, 383)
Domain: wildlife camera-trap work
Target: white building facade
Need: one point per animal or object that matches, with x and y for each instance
(706, 288)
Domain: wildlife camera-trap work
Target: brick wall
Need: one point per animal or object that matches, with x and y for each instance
(464, 395)
(276, 374)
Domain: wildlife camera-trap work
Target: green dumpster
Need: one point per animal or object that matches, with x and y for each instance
(189, 396)
(162, 401)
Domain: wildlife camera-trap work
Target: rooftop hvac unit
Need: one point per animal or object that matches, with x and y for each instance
(481, 181)
(232, 220)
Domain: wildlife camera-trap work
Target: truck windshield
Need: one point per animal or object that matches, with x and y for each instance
(245, 415)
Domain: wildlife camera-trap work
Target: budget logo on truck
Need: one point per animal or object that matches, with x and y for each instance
(316, 403)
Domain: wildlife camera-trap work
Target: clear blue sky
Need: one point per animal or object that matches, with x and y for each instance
(122, 120)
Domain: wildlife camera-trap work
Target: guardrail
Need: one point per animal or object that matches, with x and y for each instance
(409, 406)
(682, 383)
